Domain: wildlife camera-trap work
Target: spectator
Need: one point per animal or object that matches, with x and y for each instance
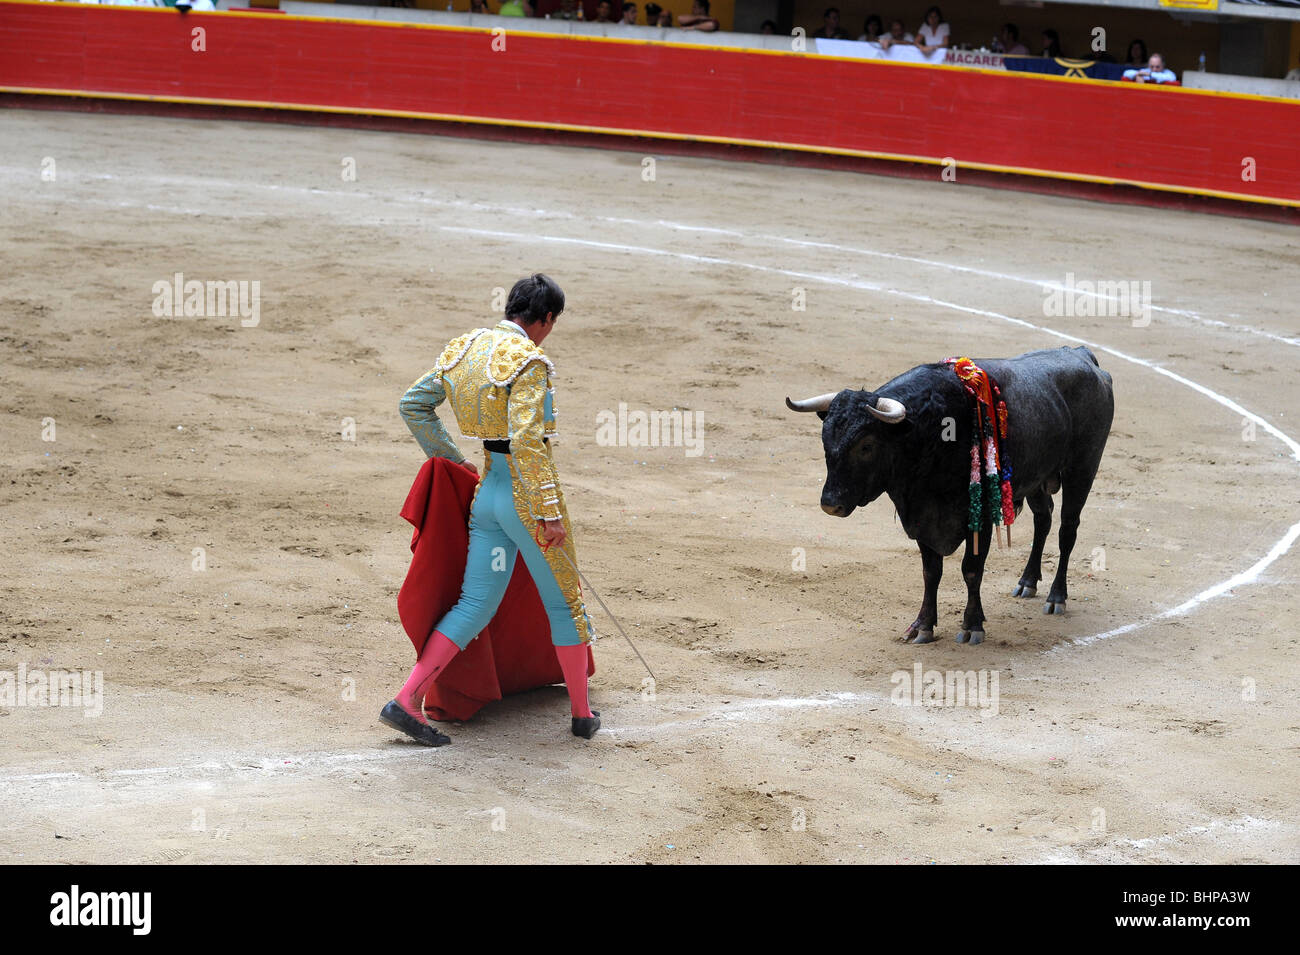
(629, 15)
(698, 18)
(896, 36)
(934, 32)
(1294, 74)
(602, 12)
(1154, 72)
(872, 30)
(1051, 43)
(568, 10)
(652, 14)
(1137, 55)
(767, 28)
(1010, 41)
(516, 8)
(480, 6)
(830, 28)
(665, 17)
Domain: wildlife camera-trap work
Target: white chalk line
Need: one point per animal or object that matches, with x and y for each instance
(1220, 829)
(1238, 824)
(266, 764)
(538, 213)
(750, 709)
(1248, 576)
(290, 764)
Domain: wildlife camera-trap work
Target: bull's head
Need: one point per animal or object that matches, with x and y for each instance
(857, 435)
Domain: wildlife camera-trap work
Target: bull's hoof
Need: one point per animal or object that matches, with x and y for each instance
(1054, 606)
(1025, 590)
(970, 636)
(917, 632)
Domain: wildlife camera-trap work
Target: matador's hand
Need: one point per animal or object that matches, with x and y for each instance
(551, 532)
(469, 467)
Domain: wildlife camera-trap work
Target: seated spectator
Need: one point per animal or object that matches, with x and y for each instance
(665, 17)
(698, 18)
(1293, 75)
(1137, 55)
(896, 36)
(629, 15)
(602, 12)
(830, 28)
(652, 14)
(872, 30)
(516, 8)
(767, 28)
(1051, 43)
(1009, 40)
(1154, 72)
(934, 32)
(568, 10)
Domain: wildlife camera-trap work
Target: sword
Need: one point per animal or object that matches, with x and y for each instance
(587, 584)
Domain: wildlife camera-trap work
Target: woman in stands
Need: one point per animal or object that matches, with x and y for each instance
(873, 29)
(498, 382)
(1051, 43)
(1138, 57)
(934, 33)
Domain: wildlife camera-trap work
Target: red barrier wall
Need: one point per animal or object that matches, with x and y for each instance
(1173, 139)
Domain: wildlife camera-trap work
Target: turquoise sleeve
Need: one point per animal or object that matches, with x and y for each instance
(419, 409)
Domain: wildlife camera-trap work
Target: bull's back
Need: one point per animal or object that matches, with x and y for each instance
(1060, 404)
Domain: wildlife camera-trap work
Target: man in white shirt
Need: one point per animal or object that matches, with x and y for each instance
(1155, 72)
(896, 36)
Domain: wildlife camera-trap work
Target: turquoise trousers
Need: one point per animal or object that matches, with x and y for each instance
(497, 536)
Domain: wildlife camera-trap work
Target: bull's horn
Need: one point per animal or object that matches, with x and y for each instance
(888, 410)
(820, 403)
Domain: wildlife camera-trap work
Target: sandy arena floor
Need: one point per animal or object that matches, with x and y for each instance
(226, 733)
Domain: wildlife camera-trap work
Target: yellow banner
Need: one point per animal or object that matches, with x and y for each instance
(1191, 4)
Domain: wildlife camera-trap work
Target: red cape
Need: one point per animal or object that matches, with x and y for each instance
(514, 653)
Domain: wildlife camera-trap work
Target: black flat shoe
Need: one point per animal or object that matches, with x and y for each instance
(586, 726)
(393, 715)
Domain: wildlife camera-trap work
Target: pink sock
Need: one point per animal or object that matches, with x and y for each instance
(438, 652)
(573, 661)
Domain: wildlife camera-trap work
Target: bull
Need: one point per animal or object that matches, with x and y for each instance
(911, 439)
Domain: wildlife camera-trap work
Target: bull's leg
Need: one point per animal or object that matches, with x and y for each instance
(1074, 492)
(972, 570)
(1040, 502)
(922, 630)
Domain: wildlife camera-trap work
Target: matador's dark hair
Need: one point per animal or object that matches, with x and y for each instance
(532, 297)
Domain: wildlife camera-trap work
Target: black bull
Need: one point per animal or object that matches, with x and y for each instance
(911, 439)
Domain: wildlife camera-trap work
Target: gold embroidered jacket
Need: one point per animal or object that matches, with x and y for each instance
(499, 386)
